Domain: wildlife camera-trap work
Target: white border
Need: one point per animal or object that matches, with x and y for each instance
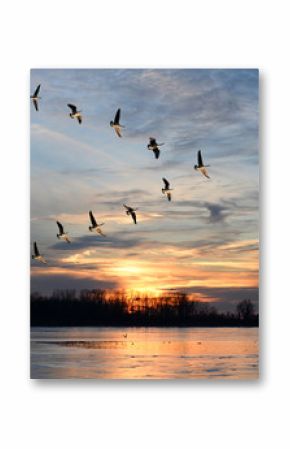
(144, 34)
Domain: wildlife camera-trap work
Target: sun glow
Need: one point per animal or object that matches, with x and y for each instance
(131, 269)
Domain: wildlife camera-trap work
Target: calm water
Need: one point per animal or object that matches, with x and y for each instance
(146, 353)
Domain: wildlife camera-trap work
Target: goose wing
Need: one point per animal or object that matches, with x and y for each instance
(152, 141)
(35, 102)
(60, 227)
(203, 170)
(117, 117)
(156, 151)
(36, 252)
(37, 91)
(79, 119)
(92, 218)
(133, 215)
(118, 132)
(169, 196)
(199, 159)
(127, 207)
(72, 107)
(99, 231)
(166, 183)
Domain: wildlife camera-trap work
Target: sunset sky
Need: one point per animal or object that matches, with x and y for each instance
(205, 241)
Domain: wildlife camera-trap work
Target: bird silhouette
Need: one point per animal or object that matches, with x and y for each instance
(200, 165)
(75, 113)
(132, 212)
(95, 226)
(37, 256)
(154, 146)
(116, 123)
(62, 234)
(166, 190)
(35, 97)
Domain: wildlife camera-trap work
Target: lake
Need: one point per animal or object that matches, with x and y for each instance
(144, 353)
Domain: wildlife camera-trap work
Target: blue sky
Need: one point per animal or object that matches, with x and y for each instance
(206, 240)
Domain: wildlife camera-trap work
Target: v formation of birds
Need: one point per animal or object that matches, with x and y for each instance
(130, 211)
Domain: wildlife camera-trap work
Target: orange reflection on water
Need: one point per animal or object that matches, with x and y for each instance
(144, 353)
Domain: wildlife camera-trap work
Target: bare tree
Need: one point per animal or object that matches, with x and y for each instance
(245, 309)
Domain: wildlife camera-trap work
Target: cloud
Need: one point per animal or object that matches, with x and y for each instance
(94, 241)
(47, 283)
(217, 212)
(227, 298)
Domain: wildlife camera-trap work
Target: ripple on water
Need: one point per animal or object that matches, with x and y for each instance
(157, 353)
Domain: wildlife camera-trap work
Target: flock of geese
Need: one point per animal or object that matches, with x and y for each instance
(115, 124)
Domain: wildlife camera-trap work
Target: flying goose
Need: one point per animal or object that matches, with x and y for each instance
(75, 113)
(200, 166)
(62, 235)
(166, 190)
(36, 254)
(95, 226)
(154, 146)
(35, 97)
(116, 123)
(132, 212)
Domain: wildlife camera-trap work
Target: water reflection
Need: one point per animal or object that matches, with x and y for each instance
(158, 353)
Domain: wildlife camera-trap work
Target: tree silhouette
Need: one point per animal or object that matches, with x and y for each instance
(118, 308)
(245, 309)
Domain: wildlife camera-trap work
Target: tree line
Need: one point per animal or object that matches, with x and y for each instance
(102, 308)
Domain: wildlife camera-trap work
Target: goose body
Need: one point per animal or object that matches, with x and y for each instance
(200, 165)
(35, 97)
(115, 124)
(132, 212)
(75, 113)
(62, 234)
(154, 146)
(37, 256)
(166, 189)
(95, 227)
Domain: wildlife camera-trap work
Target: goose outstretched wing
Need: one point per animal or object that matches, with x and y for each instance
(35, 102)
(99, 231)
(60, 227)
(133, 215)
(92, 218)
(166, 183)
(156, 152)
(72, 107)
(204, 172)
(117, 117)
(36, 252)
(199, 159)
(37, 91)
